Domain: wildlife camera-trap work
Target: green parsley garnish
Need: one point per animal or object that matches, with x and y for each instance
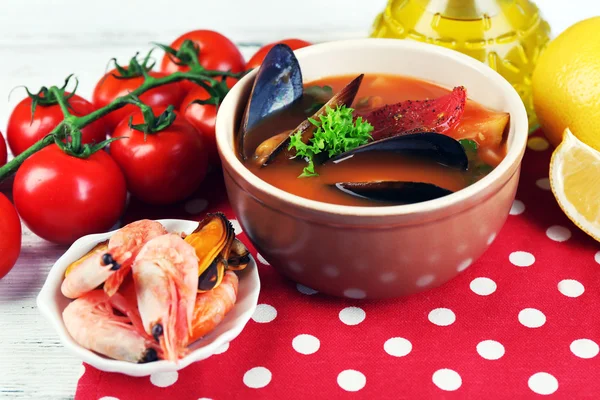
(477, 168)
(337, 132)
(469, 145)
(320, 95)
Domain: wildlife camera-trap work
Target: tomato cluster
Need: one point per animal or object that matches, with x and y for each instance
(62, 192)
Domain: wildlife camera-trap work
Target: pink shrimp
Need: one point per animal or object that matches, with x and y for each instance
(165, 273)
(92, 322)
(110, 264)
(212, 306)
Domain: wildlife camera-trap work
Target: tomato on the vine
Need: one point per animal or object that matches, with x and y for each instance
(61, 197)
(162, 166)
(216, 52)
(113, 85)
(3, 152)
(10, 236)
(203, 118)
(24, 130)
(259, 56)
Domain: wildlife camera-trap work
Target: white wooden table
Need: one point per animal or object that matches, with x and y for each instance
(36, 50)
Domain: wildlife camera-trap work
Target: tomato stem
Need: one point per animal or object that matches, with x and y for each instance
(9, 168)
(59, 95)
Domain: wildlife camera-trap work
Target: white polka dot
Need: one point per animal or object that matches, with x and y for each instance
(257, 377)
(387, 277)
(306, 344)
(446, 379)
(597, 257)
(461, 248)
(490, 349)
(236, 226)
(464, 265)
(354, 293)
(521, 258)
(543, 183)
(442, 316)
(542, 383)
(331, 271)
(558, 233)
(204, 398)
(397, 347)
(584, 348)
(425, 280)
(261, 259)
(164, 379)
(81, 371)
(264, 313)
(296, 267)
(108, 398)
(352, 315)
(517, 207)
(196, 206)
(222, 349)
(532, 318)
(483, 286)
(571, 288)
(351, 380)
(491, 239)
(305, 289)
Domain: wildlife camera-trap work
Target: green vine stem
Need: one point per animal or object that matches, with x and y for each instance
(72, 125)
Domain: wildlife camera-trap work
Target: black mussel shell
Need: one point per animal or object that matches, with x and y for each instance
(278, 85)
(212, 276)
(343, 97)
(394, 191)
(427, 145)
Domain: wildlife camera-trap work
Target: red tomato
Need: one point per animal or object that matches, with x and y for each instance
(162, 167)
(3, 155)
(23, 131)
(258, 58)
(203, 117)
(216, 53)
(61, 197)
(433, 115)
(109, 88)
(10, 236)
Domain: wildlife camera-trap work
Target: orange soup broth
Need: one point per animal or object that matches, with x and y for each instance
(369, 166)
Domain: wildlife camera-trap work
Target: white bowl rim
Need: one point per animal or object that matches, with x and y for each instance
(512, 158)
(54, 279)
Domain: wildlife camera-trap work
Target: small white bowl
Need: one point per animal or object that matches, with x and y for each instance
(51, 304)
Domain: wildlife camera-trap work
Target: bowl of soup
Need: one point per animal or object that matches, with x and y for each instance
(371, 168)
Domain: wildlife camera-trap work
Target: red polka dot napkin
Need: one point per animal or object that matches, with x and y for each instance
(519, 323)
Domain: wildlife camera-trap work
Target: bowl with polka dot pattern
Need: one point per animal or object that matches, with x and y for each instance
(51, 304)
(387, 251)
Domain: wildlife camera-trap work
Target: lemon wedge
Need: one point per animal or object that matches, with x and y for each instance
(575, 182)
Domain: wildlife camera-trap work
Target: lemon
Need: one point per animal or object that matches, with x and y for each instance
(575, 182)
(566, 84)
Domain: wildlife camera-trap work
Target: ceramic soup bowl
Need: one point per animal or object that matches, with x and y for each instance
(377, 252)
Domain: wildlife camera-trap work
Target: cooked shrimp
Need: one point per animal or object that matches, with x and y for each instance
(212, 306)
(124, 246)
(93, 323)
(109, 264)
(165, 273)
